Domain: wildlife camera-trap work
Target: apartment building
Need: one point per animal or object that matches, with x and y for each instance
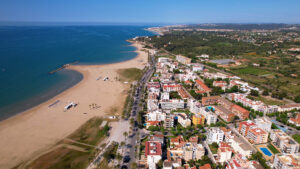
(153, 153)
(224, 152)
(252, 132)
(210, 100)
(263, 123)
(172, 104)
(215, 134)
(284, 142)
(239, 146)
(287, 161)
(198, 119)
(202, 87)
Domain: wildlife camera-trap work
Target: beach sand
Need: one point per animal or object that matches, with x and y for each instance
(29, 133)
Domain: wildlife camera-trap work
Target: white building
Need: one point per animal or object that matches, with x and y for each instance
(238, 146)
(183, 120)
(287, 161)
(172, 104)
(210, 117)
(165, 96)
(156, 115)
(263, 123)
(215, 134)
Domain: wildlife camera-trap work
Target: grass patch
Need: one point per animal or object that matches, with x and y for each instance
(296, 138)
(270, 101)
(130, 74)
(213, 148)
(273, 149)
(62, 158)
(251, 71)
(67, 157)
(90, 133)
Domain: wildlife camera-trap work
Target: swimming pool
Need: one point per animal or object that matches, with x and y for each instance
(266, 151)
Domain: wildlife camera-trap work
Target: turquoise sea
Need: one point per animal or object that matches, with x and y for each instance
(28, 53)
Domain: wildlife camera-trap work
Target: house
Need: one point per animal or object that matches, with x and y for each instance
(183, 59)
(183, 120)
(295, 121)
(284, 142)
(153, 153)
(202, 87)
(152, 123)
(215, 134)
(238, 162)
(221, 84)
(169, 87)
(287, 161)
(224, 152)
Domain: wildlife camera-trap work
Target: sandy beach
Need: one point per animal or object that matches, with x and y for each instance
(35, 130)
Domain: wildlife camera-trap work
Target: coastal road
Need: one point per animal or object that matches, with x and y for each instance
(133, 139)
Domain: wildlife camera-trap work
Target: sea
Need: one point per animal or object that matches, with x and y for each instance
(29, 53)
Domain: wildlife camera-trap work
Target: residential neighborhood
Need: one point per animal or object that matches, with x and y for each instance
(190, 125)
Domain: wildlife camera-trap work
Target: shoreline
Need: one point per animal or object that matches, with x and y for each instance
(50, 94)
(40, 127)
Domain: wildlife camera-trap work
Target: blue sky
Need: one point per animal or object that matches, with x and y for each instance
(152, 11)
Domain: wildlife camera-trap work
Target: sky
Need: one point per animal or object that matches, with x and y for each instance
(151, 11)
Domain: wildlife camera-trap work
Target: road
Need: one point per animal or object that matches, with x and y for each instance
(133, 139)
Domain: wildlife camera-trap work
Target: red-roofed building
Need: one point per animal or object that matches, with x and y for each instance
(202, 87)
(153, 153)
(177, 141)
(257, 136)
(210, 100)
(245, 126)
(171, 87)
(205, 166)
(295, 121)
(152, 123)
(221, 84)
(224, 152)
(240, 112)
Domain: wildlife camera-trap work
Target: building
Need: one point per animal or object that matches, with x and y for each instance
(215, 134)
(221, 84)
(193, 151)
(287, 161)
(210, 100)
(224, 152)
(284, 142)
(245, 126)
(210, 117)
(240, 112)
(289, 107)
(257, 136)
(202, 87)
(183, 59)
(263, 123)
(295, 121)
(198, 119)
(252, 132)
(224, 113)
(183, 120)
(205, 166)
(153, 153)
(172, 104)
(238, 145)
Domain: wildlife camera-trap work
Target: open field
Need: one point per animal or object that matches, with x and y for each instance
(74, 154)
(130, 74)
